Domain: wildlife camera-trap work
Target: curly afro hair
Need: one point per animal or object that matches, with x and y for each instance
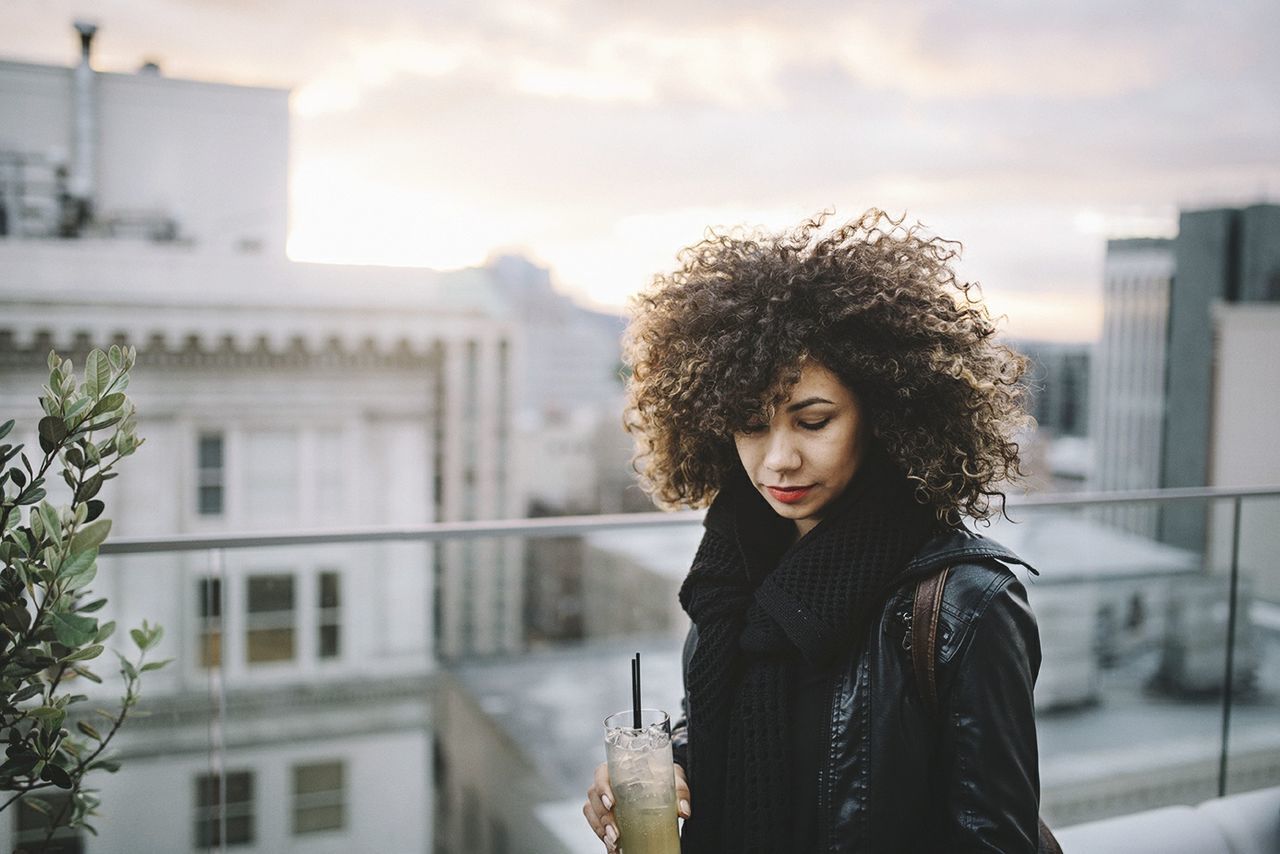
(717, 344)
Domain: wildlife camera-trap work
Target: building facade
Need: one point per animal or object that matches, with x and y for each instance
(272, 396)
(1222, 256)
(1126, 418)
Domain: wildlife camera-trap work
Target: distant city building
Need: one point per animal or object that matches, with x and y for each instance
(151, 212)
(1058, 385)
(1246, 408)
(573, 355)
(1221, 256)
(631, 580)
(1126, 418)
(1155, 375)
(570, 390)
(1055, 452)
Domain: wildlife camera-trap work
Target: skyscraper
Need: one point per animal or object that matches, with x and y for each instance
(1154, 376)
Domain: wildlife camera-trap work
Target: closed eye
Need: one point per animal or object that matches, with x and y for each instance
(815, 425)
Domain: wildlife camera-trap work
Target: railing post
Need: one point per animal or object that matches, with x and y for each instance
(218, 692)
(1229, 677)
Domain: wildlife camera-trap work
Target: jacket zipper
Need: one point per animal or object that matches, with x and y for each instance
(824, 820)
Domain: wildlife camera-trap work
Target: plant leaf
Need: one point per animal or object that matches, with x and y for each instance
(91, 535)
(89, 488)
(110, 403)
(74, 410)
(52, 524)
(52, 430)
(95, 509)
(28, 692)
(87, 674)
(85, 654)
(97, 372)
(57, 776)
(72, 629)
(77, 563)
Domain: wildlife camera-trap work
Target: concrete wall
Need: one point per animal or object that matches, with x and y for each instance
(213, 156)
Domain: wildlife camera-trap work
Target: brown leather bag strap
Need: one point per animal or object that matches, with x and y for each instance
(925, 608)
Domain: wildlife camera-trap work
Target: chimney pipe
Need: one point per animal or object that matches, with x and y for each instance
(83, 184)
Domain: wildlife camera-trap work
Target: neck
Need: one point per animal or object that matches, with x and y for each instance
(803, 526)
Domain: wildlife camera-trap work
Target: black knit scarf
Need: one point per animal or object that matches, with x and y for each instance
(761, 604)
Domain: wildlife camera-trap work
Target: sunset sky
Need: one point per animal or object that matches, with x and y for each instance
(599, 137)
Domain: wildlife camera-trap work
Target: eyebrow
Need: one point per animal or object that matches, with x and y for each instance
(808, 401)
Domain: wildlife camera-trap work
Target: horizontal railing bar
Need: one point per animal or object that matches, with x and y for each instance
(1144, 496)
(550, 526)
(559, 526)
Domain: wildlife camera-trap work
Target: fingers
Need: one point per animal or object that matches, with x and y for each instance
(601, 782)
(599, 808)
(682, 793)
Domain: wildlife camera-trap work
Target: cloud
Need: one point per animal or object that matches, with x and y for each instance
(600, 135)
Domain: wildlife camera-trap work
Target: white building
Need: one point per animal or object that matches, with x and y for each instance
(1243, 450)
(1127, 394)
(570, 389)
(272, 396)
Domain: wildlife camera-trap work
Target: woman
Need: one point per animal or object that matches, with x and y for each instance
(839, 401)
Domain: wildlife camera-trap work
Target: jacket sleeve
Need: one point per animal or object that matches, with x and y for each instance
(990, 782)
(680, 729)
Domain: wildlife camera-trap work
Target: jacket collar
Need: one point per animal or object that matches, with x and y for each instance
(957, 545)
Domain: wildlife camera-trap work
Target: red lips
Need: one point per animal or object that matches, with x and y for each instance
(789, 494)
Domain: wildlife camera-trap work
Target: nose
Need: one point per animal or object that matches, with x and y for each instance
(782, 454)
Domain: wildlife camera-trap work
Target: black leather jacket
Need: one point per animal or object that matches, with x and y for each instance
(897, 778)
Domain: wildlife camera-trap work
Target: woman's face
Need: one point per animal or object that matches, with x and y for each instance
(806, 455)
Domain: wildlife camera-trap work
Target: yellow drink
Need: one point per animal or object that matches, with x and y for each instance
(647, 827)
(642, 776)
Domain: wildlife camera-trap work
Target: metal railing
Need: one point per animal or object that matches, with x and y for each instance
(217, 544)
(559, 526)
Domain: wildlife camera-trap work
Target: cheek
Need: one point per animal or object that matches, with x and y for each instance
(840, 453)
(747, 452)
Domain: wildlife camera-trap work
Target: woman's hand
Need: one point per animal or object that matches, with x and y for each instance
(599, 806)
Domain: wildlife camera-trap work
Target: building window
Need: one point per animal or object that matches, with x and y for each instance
(209, 607)
(329, 642)
(33, 826)
(238, 812)
(270, 621)
(319, 797)
(210, 475)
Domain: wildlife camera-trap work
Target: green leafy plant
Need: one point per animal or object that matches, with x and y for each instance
(48, 631)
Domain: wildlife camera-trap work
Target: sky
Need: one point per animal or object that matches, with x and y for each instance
(599, 137)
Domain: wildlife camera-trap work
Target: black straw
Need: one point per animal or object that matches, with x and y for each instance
(635, 691)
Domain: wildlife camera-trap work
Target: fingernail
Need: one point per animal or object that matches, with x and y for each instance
(607, 801)
(611, 835)
(684, 808)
